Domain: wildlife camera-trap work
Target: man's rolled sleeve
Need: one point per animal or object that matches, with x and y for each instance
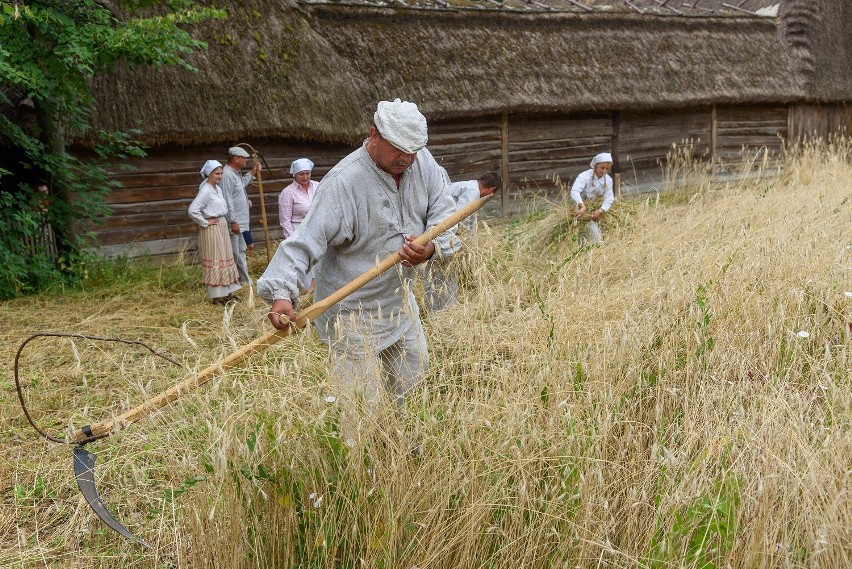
(275, 285)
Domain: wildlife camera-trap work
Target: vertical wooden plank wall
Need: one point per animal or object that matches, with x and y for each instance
(807, 121)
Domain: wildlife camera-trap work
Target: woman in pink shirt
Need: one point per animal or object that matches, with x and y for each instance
(295, 200)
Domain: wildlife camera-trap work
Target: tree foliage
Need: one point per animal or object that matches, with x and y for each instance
(49, 52)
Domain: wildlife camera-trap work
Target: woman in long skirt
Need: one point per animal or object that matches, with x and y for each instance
(208, 209)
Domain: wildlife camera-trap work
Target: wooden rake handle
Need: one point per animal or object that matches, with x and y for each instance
(103, 429)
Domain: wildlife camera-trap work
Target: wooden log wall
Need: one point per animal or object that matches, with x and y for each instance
(646, 139)
(149, 210)
(753, 127)
(467, 149)
(545, 154)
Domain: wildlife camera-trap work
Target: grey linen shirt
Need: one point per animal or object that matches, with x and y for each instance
(234, 189)
(359, 217)
(464, 193)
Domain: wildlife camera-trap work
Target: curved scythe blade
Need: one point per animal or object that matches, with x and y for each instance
(84, 472)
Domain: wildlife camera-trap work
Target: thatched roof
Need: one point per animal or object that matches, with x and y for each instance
(266, 73)
(820, 34)
(459, 63)
(694, 8)
(315, 70)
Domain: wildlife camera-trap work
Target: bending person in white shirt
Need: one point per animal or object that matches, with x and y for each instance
(440, 279)
(594, 183)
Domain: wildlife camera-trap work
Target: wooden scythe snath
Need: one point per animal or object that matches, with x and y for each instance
(84, 461)
(254, 157)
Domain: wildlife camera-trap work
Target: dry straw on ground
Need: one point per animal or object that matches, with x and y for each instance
(646, 403)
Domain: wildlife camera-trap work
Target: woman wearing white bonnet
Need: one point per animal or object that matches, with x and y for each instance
(295, 201)
(592, 184)
(208, 209)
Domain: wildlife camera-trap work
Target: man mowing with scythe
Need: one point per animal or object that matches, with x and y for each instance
(361, 223)
(367, 207)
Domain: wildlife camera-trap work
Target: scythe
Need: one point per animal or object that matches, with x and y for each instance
(254, 156)
(84, 461)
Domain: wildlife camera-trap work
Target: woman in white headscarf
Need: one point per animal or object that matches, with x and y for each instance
(208, 209)
(590, 184)
(295, 201)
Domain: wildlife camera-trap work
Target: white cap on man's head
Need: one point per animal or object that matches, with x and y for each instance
(401, 124)
(238, 151)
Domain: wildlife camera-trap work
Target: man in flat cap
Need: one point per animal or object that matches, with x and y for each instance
(234, 184)
(372, 203)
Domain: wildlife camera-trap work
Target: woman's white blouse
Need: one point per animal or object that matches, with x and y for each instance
(208, 203)
(586, 186)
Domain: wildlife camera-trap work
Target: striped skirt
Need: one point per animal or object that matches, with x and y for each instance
(217, 258)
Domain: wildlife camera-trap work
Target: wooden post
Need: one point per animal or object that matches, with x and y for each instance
(616, 127)
(790, 125)
(504, 162)
(616, 185)
(713, 138)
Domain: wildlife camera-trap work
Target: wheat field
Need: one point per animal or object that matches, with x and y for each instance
(676, 397)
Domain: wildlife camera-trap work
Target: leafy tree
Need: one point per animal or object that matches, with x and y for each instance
(49, 52)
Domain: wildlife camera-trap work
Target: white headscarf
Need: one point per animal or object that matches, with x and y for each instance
(208, 167)
(301, 165)
(602, 157)
(401, 124)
